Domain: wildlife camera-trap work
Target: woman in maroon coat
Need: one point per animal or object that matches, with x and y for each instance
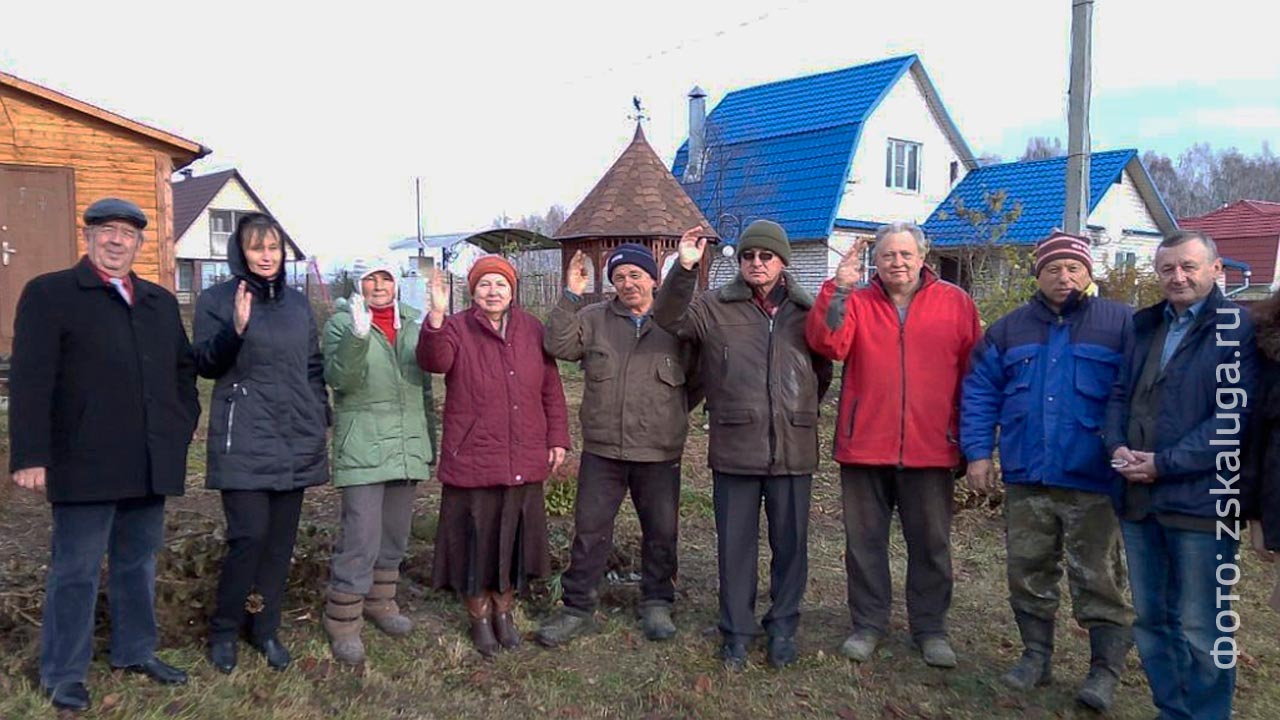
(505, 430)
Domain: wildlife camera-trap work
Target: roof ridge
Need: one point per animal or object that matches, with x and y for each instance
(784, 81)
(1058, 158)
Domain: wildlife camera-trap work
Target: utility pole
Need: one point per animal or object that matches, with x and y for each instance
(1078, 152)
(417, 204)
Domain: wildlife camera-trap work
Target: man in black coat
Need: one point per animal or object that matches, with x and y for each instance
(102, 407)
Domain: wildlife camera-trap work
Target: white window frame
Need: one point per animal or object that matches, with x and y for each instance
(217, 236)
(899, 157)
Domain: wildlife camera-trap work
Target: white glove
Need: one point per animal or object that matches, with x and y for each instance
(361, 318)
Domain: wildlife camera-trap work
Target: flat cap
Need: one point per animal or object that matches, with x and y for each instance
(115, 209)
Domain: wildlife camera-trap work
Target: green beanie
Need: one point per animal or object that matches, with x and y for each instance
(766, 235)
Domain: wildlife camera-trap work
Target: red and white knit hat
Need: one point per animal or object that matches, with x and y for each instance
(1063, 246)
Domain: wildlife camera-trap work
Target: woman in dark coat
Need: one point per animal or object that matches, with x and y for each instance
(267, 421)
(505, 430)
(1260, 479)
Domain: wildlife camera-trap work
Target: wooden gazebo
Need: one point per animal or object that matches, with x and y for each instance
(637, 201)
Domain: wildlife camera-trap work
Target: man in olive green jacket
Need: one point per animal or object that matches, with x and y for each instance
(635, 408)
(383, 443)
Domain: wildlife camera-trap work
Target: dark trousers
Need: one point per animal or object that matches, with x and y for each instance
(923, 499)
(736, 500)
(655, 493)
(130, 533)
(261, 529)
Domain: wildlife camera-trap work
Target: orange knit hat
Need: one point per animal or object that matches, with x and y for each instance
(490, 264)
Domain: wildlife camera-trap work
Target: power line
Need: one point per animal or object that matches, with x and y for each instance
(691, 41)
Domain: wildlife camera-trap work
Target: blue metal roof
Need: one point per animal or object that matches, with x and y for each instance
(854, 224)
(785, 148)
(1041, 187)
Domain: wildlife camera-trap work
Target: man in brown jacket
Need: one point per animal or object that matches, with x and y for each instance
(763, 386)
(634, 416)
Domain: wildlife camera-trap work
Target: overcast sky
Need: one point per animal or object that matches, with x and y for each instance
(511, 107)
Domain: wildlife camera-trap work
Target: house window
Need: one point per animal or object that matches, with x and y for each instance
(212, 273)
(902, 165)
(222, 225)
(186, 271)
(1126, 260)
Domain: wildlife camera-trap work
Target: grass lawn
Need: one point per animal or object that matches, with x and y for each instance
(614, 673)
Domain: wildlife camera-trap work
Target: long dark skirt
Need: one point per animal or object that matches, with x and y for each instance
(490, 539)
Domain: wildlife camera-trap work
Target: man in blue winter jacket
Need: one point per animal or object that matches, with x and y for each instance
(1042, 375)
(1174, 428)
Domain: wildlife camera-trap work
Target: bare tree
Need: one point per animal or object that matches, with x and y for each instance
(1039, 148)
(1202, 179)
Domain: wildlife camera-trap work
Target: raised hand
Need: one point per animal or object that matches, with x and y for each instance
(244, 307)
(576, 280)
(361, 317)
(849, 271)
(692, 245)
(438, 287)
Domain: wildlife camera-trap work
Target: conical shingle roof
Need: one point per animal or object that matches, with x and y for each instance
(637, 197)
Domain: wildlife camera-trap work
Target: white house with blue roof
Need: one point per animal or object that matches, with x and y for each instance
(1126, 220)
(829, 156)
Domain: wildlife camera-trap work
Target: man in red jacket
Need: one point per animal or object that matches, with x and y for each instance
(905, 340)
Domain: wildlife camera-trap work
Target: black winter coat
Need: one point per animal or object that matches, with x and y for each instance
(270, 409)
(1260, 476)
(102, 394)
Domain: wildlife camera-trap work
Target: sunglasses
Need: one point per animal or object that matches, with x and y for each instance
(752, 255)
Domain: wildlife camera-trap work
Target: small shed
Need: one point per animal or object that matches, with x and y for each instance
(637, 201)
(57, 156)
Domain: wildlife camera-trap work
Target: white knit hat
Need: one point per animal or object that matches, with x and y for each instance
(364, 267)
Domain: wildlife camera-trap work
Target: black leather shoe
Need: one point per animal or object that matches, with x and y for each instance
(734, 656)
(222, 653)
(159, 671)
(275, 653)
(72, 696)
(782, 651)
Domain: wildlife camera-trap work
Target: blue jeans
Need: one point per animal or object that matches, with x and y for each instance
(1174, 577)
(130, 532)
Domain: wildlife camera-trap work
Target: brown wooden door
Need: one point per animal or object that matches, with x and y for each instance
(37, 232)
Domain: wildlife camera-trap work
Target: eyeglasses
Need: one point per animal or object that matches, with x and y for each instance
(763, 256)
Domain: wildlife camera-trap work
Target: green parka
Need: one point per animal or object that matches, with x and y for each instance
(385, 426)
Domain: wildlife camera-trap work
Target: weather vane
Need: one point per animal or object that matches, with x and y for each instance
(639, 115)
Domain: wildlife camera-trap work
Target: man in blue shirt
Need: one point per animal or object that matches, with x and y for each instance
(1174, 427)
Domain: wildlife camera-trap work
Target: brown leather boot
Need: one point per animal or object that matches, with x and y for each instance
(504, 625)
(479, 608)
(380, 604)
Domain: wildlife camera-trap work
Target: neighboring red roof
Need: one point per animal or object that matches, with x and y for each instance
(1245, 230)
(188, 150)
(192, 195)
(637, 197)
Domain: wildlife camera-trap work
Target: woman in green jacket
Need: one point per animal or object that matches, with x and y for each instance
(383, 443)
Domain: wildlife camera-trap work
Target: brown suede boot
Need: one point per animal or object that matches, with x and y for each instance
(342, 623)
(504, 625)
(479, 608)
(380, 604)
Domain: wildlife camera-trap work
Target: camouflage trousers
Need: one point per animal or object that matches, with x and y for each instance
(1046, 526)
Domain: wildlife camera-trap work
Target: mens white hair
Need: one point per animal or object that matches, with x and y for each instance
(894, 228)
